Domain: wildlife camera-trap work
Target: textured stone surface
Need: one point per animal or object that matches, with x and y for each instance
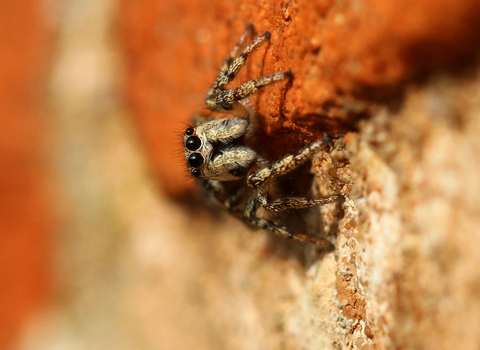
(418, 216)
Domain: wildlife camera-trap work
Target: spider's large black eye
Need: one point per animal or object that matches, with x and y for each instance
(195, 160)
(189, 131)
(196, 172)
(193, 143)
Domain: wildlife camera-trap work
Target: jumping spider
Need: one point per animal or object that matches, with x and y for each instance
(219, 151)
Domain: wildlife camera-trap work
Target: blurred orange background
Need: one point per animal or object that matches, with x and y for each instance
(26, 211)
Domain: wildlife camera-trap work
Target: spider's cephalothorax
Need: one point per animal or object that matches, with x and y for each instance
(219, 151)
(214, 150)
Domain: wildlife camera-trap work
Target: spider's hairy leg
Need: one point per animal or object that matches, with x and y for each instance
(251, 216)
(238, 62)
(296, 202)
(252, 86)
(283, 166)
(228, 100)
(230, 73)
(249, 30)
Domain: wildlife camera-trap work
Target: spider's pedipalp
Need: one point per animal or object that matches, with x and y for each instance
(224, 130)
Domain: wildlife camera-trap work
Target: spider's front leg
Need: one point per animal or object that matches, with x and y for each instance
(259, 178)
(296, 202)
(251, 216)
(224, 100)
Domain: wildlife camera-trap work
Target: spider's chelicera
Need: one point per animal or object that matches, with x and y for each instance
(220, 151)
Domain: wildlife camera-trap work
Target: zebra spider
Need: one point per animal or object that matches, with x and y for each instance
(220, 152)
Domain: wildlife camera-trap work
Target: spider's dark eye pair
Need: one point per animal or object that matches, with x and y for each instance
(195, 160)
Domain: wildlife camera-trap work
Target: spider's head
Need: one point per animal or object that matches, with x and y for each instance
(214, 150)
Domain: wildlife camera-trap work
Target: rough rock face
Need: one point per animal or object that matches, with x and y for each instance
(406, 266)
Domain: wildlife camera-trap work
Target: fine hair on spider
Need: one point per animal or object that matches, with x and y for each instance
(221, 152)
